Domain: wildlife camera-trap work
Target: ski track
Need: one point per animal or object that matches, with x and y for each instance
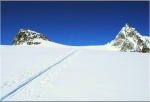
(11, 93)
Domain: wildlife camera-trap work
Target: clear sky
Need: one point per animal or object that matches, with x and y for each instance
(73, 23)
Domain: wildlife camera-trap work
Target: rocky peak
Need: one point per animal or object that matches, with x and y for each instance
(129, 39)
(127, 25)
(28, 37)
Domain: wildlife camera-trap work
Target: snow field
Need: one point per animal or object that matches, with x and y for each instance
(88, 74)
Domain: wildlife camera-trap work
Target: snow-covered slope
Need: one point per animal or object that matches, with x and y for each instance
(34, 73)
(129, 39)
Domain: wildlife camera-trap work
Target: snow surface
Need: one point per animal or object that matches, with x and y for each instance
(67, 73)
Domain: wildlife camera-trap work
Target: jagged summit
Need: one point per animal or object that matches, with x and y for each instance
(129, 39)
(127, 25)
(28, 37)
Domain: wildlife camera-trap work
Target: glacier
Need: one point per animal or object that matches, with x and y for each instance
(73, 73)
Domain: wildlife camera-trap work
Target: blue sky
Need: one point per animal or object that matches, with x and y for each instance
(73, 23)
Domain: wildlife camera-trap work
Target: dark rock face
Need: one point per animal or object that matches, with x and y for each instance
(28, 37)
(128, 39)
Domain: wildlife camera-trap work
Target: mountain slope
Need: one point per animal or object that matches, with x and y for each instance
(129, 39)
(28, 37)
(73, 74)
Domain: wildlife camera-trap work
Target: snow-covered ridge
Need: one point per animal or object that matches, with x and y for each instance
(127, 40)
(28, 31)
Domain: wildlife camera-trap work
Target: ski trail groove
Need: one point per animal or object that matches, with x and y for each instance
(33, 77)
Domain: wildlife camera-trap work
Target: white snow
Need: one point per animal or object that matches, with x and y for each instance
(67, 73)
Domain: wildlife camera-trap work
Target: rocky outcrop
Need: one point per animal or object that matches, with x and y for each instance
(129, 39)
(28, 37)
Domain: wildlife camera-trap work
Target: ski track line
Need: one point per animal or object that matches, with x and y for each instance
(56, 70)
(34, 77)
